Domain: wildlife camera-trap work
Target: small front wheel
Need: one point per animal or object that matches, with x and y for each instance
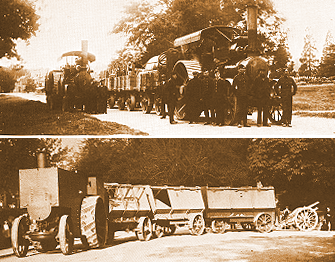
(19, 243)
(65, 235)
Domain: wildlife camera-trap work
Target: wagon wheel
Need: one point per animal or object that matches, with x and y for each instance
(276, 111)
(19, 243)
(144, 227)
(231, 109)
(121, 103)
(218, 226)
(146, 104)
(111, 102)
(197, 225)
(65, 235)
(264, 223)
(131, 103)
(246, 226)
(170, 230)
(158, 230)
(306, 219)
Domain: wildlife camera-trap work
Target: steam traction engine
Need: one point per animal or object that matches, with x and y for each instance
(72, 87)
(216, 49)
(60, 206)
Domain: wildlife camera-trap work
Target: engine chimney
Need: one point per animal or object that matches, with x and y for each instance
(252, 28)
(41, 159)
(84, 49)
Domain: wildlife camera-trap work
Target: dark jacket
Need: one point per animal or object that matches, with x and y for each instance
(288, 86)
(242, 84)
(261, 88)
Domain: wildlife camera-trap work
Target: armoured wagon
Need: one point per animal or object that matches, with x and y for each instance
(249, 206)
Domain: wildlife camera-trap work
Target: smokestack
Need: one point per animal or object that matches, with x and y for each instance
(41, 159)
(84, 49)
(252, 28)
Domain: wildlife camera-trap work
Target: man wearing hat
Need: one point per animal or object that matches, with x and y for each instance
(241, 89)
(286, 88)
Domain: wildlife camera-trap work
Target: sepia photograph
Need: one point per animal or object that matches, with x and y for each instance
(167, 199)
(167, 130)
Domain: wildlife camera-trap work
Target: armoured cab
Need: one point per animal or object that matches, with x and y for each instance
(60, 206)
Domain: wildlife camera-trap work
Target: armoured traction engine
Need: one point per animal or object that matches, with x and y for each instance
(60, 206)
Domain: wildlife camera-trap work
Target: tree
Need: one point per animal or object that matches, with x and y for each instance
(308, 57)
(18, 153)
(281, 57)
(188, 162)
(7, 80)
(327, 64)
(151, 29)
(301, 170)
(30, 86)
(18, 20)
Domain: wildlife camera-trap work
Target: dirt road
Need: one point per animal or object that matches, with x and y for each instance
(156, 127)
(231, 246)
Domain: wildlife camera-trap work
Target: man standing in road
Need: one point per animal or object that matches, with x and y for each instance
(241, 89)
(262, 91)
(172, 92)
(222, 88)
(286, 88)
(208, 89)
(192, 92)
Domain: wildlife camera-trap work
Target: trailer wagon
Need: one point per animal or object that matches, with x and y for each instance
(176, 207)
(248, 206)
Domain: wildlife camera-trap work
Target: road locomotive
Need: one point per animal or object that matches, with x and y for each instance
(72, 87)
(216, 49)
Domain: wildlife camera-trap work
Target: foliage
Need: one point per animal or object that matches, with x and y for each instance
(18, 20)
(281, 57)
(152, 28)
(308, 57)
(301, 170)
(327, 64)
(188, 162)
(16, 153)
(30, 85)
(7, 80)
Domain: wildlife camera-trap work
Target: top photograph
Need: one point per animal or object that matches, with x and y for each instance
(167, 68)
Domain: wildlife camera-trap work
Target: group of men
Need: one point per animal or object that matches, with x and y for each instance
(210, 94)
(258, 93)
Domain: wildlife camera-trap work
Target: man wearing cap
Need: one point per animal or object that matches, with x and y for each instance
(286, 88)
(172, 93)
(193, 94)
(241, 89)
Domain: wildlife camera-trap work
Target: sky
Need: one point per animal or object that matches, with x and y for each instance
(65, 23)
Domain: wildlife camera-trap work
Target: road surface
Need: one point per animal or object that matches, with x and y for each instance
(236, 246)
(156, 127)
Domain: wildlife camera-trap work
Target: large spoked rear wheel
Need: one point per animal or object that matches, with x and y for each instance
(131, 103)
(144, 229)
(306, 219)
(93, 221)
(197, 225)
(276, 111)
(19, 243)
(65, 235)
(264, 223)
(146, 104)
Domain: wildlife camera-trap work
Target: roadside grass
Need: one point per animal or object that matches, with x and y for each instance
(315, 98)
(24, 117)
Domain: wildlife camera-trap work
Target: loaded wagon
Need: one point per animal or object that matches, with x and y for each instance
(249, 206)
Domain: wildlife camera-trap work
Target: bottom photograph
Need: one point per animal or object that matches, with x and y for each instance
(132, 199)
